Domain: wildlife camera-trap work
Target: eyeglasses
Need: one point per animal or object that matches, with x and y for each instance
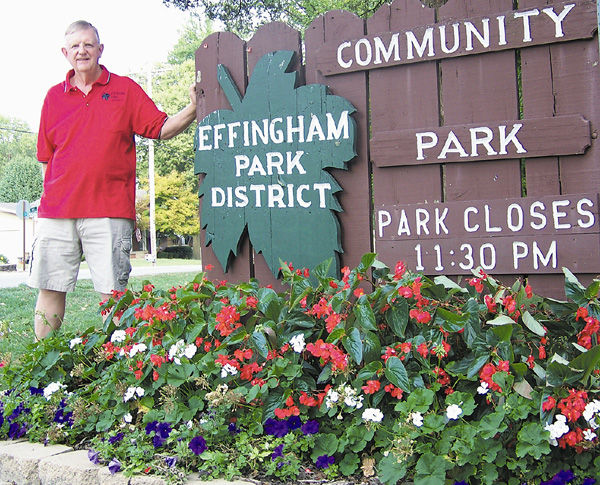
(82, 45)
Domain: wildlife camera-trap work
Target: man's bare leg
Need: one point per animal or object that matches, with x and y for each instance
(49, 312)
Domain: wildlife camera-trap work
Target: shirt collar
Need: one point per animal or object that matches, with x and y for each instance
(103, 79)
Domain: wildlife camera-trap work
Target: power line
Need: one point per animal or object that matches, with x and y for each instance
(17, 130)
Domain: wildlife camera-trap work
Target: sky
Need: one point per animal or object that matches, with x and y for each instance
(135, 34)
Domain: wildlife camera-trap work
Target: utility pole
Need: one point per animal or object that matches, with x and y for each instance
(151, 182)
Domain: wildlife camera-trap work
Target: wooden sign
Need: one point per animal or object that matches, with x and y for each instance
(546, 24)
(533, 234)
(265, 162)
(541, 137)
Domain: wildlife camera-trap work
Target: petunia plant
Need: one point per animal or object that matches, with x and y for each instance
(378, 372)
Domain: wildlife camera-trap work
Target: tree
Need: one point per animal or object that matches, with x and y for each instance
(21, 179)
(16, 140)
(243, 16)
(176, 206)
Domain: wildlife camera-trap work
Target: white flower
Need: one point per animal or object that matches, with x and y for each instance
(592, 409)
(417, 419)
(331, 397)
(557, 429)
(129, 393)
(372, 414)
(589, 435)
(176, 349)
(228, 369)
(118, 336)
(140, 391)
(453, 411)
(190, 351)
(52, 388)
(137, 348)
(189, 424)
(297, 342)
(483, 388)
(75, 342)
(128, 418)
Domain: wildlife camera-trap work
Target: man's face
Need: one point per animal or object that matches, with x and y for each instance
(83, 50)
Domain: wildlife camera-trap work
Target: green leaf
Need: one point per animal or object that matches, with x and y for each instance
(574, 290)
(327, 444)
(532, 324)
(501, 320)
(369, 370)
(396, 373)
(365, 317)
(390, 470)
(397, 317)
(431, 470)
(366, 261)
(586, 362)
(353, 345)
(371, 347)
(592, 290)
(492, 424)
(420, 399)
(558, 374)
(260, 343)
(448, 283)
(503, 332)
(349, 464)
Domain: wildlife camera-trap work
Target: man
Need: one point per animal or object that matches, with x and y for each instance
(87, 150)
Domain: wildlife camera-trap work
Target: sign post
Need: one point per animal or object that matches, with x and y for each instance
(22, 211)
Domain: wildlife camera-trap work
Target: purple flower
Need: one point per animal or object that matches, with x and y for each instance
(15, 431)
(565, 475)
(114, 466)
(116, 438)
(324, 461)
(170, 461)
(278, 451)
(589, 481)
(61, 417)
(233, 429)
(163, 430)
(294, 422)
(310, 427)
(462, 482)
(276, 428)
(94, 457)
(36, 390)
(151, 427)
(197, 445)
(158, 441)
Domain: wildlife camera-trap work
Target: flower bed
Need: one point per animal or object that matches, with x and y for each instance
(380, 373)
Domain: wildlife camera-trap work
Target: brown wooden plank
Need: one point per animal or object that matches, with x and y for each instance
(499, 255)
(576, 81)
(477, 31)
(403, 97)
(268, 38)
(355, 221)
(516, 217)
(228, 49)
(527, 138)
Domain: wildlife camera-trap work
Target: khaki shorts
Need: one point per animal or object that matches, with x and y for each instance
(60, 243)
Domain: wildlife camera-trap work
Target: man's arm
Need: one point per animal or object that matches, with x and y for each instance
(179, 122)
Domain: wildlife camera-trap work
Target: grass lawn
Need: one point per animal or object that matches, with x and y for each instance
(17, 307)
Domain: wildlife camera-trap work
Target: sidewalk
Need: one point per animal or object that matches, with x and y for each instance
(12, 279)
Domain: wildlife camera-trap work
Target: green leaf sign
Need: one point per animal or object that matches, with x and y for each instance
(265, 162)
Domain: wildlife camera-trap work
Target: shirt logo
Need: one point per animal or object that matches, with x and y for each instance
(105, 96)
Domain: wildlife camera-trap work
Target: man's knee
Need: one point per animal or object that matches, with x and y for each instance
(49, 312)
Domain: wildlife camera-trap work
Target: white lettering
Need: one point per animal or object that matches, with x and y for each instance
(458, 148)
(427, 43)
(557, 19)
(472, 31)
(538, 256)
(368, 52)
(509, 217)
(538, 215)
(443, 42)
(422, 218)
(384, 219)
(520, 251)
(340, 61)
(557, 214)
(484, 141)
(466, 224)
(421, 145)
(393, 48)
(511, 138)
(526, 27)
(590, 215)
(488, 226)
(439, 221)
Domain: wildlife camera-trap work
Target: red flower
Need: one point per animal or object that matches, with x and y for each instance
(573, 405)
(333, 284)
(581, 313)
(541, 352)
(405, 292)
(549, 404)
(130, 331)
(154, 375)
(423, 350)
(420, 316)
(490, 303)
(477, 283)
(358, 292)
(251, 301)
(333, 321)
(228, 318)
(394, 391)
(320, 309)
(509, 303)
(530, 361)
(307, 400)
(389, 352)
(208, 267)
(528, 291)
(399, 270)
(138, 374)
(371, 387)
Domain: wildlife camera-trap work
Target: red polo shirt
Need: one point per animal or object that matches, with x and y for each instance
(88, 143)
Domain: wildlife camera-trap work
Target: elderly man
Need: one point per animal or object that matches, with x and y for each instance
(87, 150)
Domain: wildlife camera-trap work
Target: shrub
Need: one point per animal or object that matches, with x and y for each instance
(379, 372)
(176, 252)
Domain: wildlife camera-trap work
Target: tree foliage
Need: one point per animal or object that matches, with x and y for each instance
(16, 140)
(176, 206)
(243, 16)
(21, 179)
